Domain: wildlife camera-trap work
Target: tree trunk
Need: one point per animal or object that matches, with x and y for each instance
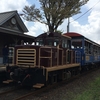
(51, 29)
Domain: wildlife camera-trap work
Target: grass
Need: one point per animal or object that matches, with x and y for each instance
(91, 93)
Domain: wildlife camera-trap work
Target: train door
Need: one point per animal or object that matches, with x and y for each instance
(78, 58)
(77, 46)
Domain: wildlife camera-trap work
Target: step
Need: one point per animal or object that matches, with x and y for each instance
(38, 85)
(8, 81)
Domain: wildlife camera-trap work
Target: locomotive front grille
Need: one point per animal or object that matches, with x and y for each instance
(26, 57)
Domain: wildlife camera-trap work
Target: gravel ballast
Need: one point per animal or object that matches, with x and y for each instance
(68, 91)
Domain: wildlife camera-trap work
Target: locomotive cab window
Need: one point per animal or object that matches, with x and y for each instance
(39, 42)
(53, 39)
(51, 42)
(56, 42)
(47, 41)
(64, 43)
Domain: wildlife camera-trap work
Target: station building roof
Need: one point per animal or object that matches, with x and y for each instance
(15, 19)
(11, 25)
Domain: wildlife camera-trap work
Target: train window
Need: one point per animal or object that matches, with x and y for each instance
(37, 43)
(63, 43)
(95, 49)
(33, 43)
(55, 43)
(72, 47)
(76, 44)
(50, 43)
(98, 50)
(88, 47)
(68, 44)
(40, 42)
(26, 43)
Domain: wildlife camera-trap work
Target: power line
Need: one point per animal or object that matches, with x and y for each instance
(86, 12)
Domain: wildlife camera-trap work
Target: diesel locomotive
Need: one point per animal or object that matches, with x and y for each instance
(52, 58)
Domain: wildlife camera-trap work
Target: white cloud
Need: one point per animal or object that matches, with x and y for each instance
(93, 4)
(90, 30)
(8, 5)
(36, 28)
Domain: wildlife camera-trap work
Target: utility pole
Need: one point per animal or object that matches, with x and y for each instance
(68, 25)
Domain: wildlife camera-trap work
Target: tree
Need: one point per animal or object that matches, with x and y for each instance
(53, 12)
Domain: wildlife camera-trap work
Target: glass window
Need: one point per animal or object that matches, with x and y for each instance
(76, 44)
(88, 47)
(55, 43)
(37, 43)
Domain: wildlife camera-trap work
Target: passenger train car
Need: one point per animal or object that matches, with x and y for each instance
(49, 60)
(53, 57)
(88, 50)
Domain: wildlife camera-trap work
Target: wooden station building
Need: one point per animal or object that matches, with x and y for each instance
(12, 30)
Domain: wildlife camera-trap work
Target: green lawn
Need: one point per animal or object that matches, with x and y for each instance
(91, 93)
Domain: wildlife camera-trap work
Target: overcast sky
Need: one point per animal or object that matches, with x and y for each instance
(87, 25)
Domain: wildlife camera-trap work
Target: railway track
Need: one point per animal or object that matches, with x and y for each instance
(29, 92)
(13, 93)
(6, 90)
(34, 92)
